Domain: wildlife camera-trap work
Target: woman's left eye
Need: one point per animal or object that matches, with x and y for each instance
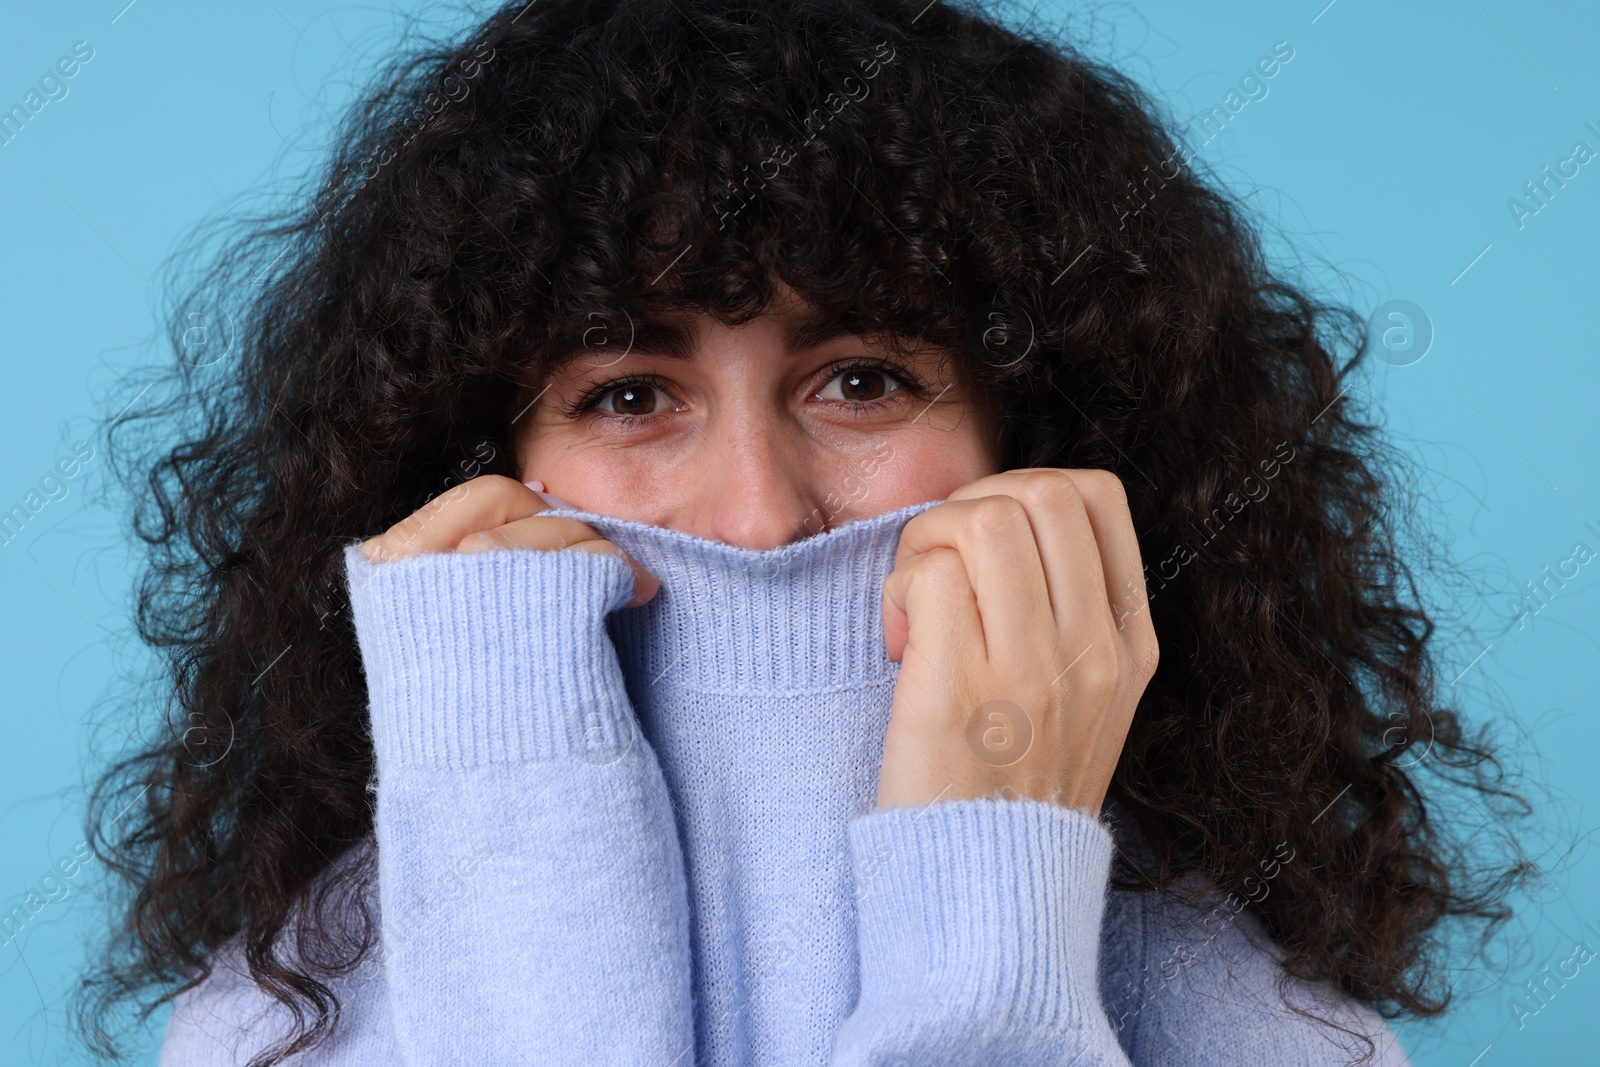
(860, 385)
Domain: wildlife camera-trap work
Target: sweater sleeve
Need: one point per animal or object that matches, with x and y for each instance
(532, 887)
(981, 924)
(979, 930)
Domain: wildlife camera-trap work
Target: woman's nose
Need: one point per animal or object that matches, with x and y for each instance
(756, 488)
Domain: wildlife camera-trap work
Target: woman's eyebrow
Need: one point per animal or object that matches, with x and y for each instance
(672, 340)
(665, 340)
(814, 331)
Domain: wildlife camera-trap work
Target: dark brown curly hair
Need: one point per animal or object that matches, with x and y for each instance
(916, 168)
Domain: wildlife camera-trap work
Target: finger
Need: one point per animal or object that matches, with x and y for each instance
(645, 584)
(930, 592)
(1070, 552)
(1106, 505)
(996, 544)
(1104, 508)
(541, 532)
(896, 625)
(482, 503)
(553, 533)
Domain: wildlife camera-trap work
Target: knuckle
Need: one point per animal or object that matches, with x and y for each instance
(1045, 482)
(937, 566)
(992, 513)
(1061, 490)
(1109, 485)
(940, 563)
(1103, 487)
(495, 484)
(478, 541)
(1097, 674)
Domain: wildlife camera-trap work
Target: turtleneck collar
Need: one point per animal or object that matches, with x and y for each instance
(805, 616)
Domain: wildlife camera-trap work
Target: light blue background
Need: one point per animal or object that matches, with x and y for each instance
(1380, 163)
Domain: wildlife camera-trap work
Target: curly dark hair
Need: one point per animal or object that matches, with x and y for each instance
(918, 169)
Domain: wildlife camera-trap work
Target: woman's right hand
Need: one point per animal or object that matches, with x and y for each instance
(492, 513)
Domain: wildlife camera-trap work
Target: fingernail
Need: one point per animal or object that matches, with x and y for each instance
(555, 501)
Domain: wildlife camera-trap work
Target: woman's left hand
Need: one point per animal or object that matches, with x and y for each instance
(1017, 610)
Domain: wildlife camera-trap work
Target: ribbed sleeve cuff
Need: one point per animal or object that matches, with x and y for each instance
(491, 657)
(989, 906)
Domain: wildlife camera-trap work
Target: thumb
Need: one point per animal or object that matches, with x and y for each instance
(896, 623)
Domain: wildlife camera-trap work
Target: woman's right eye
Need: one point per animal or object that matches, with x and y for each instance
(633, 399)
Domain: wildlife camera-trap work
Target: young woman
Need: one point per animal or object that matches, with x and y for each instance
(776, 533)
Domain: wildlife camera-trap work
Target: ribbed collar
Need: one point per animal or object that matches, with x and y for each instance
(799, 618)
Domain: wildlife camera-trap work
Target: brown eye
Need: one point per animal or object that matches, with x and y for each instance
(631, 400)
(860, 384)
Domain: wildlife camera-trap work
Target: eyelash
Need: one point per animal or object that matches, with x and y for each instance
(599, 390)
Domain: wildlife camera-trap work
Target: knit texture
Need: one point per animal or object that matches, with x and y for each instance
(647, 835)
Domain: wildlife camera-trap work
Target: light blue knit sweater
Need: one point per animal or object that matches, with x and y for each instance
(647, 837)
